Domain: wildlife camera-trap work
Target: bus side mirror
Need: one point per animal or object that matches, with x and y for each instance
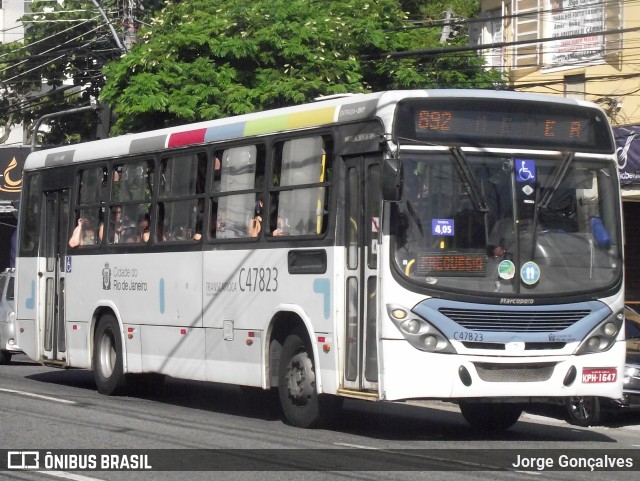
(392, 179)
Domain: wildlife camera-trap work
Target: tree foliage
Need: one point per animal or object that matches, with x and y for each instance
(205, 59)
(58, 65)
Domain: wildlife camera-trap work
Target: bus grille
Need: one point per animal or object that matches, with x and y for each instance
(514, 372)
(514, 321)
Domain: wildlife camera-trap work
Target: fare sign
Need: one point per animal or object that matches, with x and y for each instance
(599, 375)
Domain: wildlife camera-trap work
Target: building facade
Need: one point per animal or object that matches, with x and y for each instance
(12, 151)
(585, 49)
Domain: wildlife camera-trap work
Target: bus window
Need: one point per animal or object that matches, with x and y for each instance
(301, 210)
(29, 232)
(234, 210)
(93, 183)
(131, 192)
(87, 230)
(181, 202)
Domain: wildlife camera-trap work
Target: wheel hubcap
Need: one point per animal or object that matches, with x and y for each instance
(107, 355)
(300, 378)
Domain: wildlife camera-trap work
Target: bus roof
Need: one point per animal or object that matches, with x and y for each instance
(334, 110)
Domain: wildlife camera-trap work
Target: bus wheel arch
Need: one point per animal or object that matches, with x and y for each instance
(108, 354)
(293, 370)
(282, 325)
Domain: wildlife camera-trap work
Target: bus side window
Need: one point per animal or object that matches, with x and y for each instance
(240, 175)
(301, 210)
(88, 227)
(180, 197)
(131, 193)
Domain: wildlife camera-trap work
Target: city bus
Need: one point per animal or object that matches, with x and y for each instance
(454, 245)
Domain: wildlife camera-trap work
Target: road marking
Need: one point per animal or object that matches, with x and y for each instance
(39, 396)
(64, 475)
(347, 445)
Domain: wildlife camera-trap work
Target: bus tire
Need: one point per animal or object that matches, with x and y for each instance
(297, 383)
(107, 357)
(583, 411)
(486, 416)
(5, 357)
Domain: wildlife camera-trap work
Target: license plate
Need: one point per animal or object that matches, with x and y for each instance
(590, 376)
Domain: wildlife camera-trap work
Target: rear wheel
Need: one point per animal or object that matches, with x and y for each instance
(490, 416)
(5, 357)
(583, 410)
(107, 357)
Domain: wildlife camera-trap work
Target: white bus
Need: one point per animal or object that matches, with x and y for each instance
(455, 245)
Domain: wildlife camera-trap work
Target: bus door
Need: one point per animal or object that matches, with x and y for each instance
(362, 218)
(51, 275)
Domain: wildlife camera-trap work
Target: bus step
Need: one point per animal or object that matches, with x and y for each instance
(54, 363)
(366, 395)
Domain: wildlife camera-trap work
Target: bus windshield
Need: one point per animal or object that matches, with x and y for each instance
(507, 226)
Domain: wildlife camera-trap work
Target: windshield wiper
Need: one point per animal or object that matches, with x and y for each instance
(559, 176)
(468, 180)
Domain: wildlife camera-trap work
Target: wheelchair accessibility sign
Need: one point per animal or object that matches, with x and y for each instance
(525, 170)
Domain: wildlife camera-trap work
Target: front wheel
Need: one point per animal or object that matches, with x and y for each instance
(490, 416)
(301, 405)
(107, 357)
(583, 410)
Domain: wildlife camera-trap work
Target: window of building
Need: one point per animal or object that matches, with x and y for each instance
(574, 86)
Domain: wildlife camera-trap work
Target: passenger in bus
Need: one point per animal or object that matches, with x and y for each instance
(143, 230)
(116, 225)
(501, 238)
(255, 225)
(83, 234)
(198, 233)
(280, 228)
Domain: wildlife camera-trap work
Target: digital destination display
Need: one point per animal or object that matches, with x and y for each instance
(500, 122)
(442, 264)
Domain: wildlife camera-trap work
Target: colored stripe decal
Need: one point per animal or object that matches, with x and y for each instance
(262, 126)
(186, 138)
(313, 117)
(161, 295)
(224, 132)
(147, 145)
(294, 120)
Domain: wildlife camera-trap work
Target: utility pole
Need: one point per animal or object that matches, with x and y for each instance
(110, 25)
(446, 29)
(129, 7)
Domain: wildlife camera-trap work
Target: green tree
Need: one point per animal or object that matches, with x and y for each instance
(206, 59)
(58, 65)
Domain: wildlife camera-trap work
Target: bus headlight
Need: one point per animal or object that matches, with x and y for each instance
(418, 332)
(603, 336)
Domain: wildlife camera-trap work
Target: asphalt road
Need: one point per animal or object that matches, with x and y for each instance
(240, 430)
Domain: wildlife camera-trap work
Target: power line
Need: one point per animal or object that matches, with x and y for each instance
(468, 48)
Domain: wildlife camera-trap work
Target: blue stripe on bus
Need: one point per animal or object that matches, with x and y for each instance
(224, 132)
(161, 293)
(323, 286)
